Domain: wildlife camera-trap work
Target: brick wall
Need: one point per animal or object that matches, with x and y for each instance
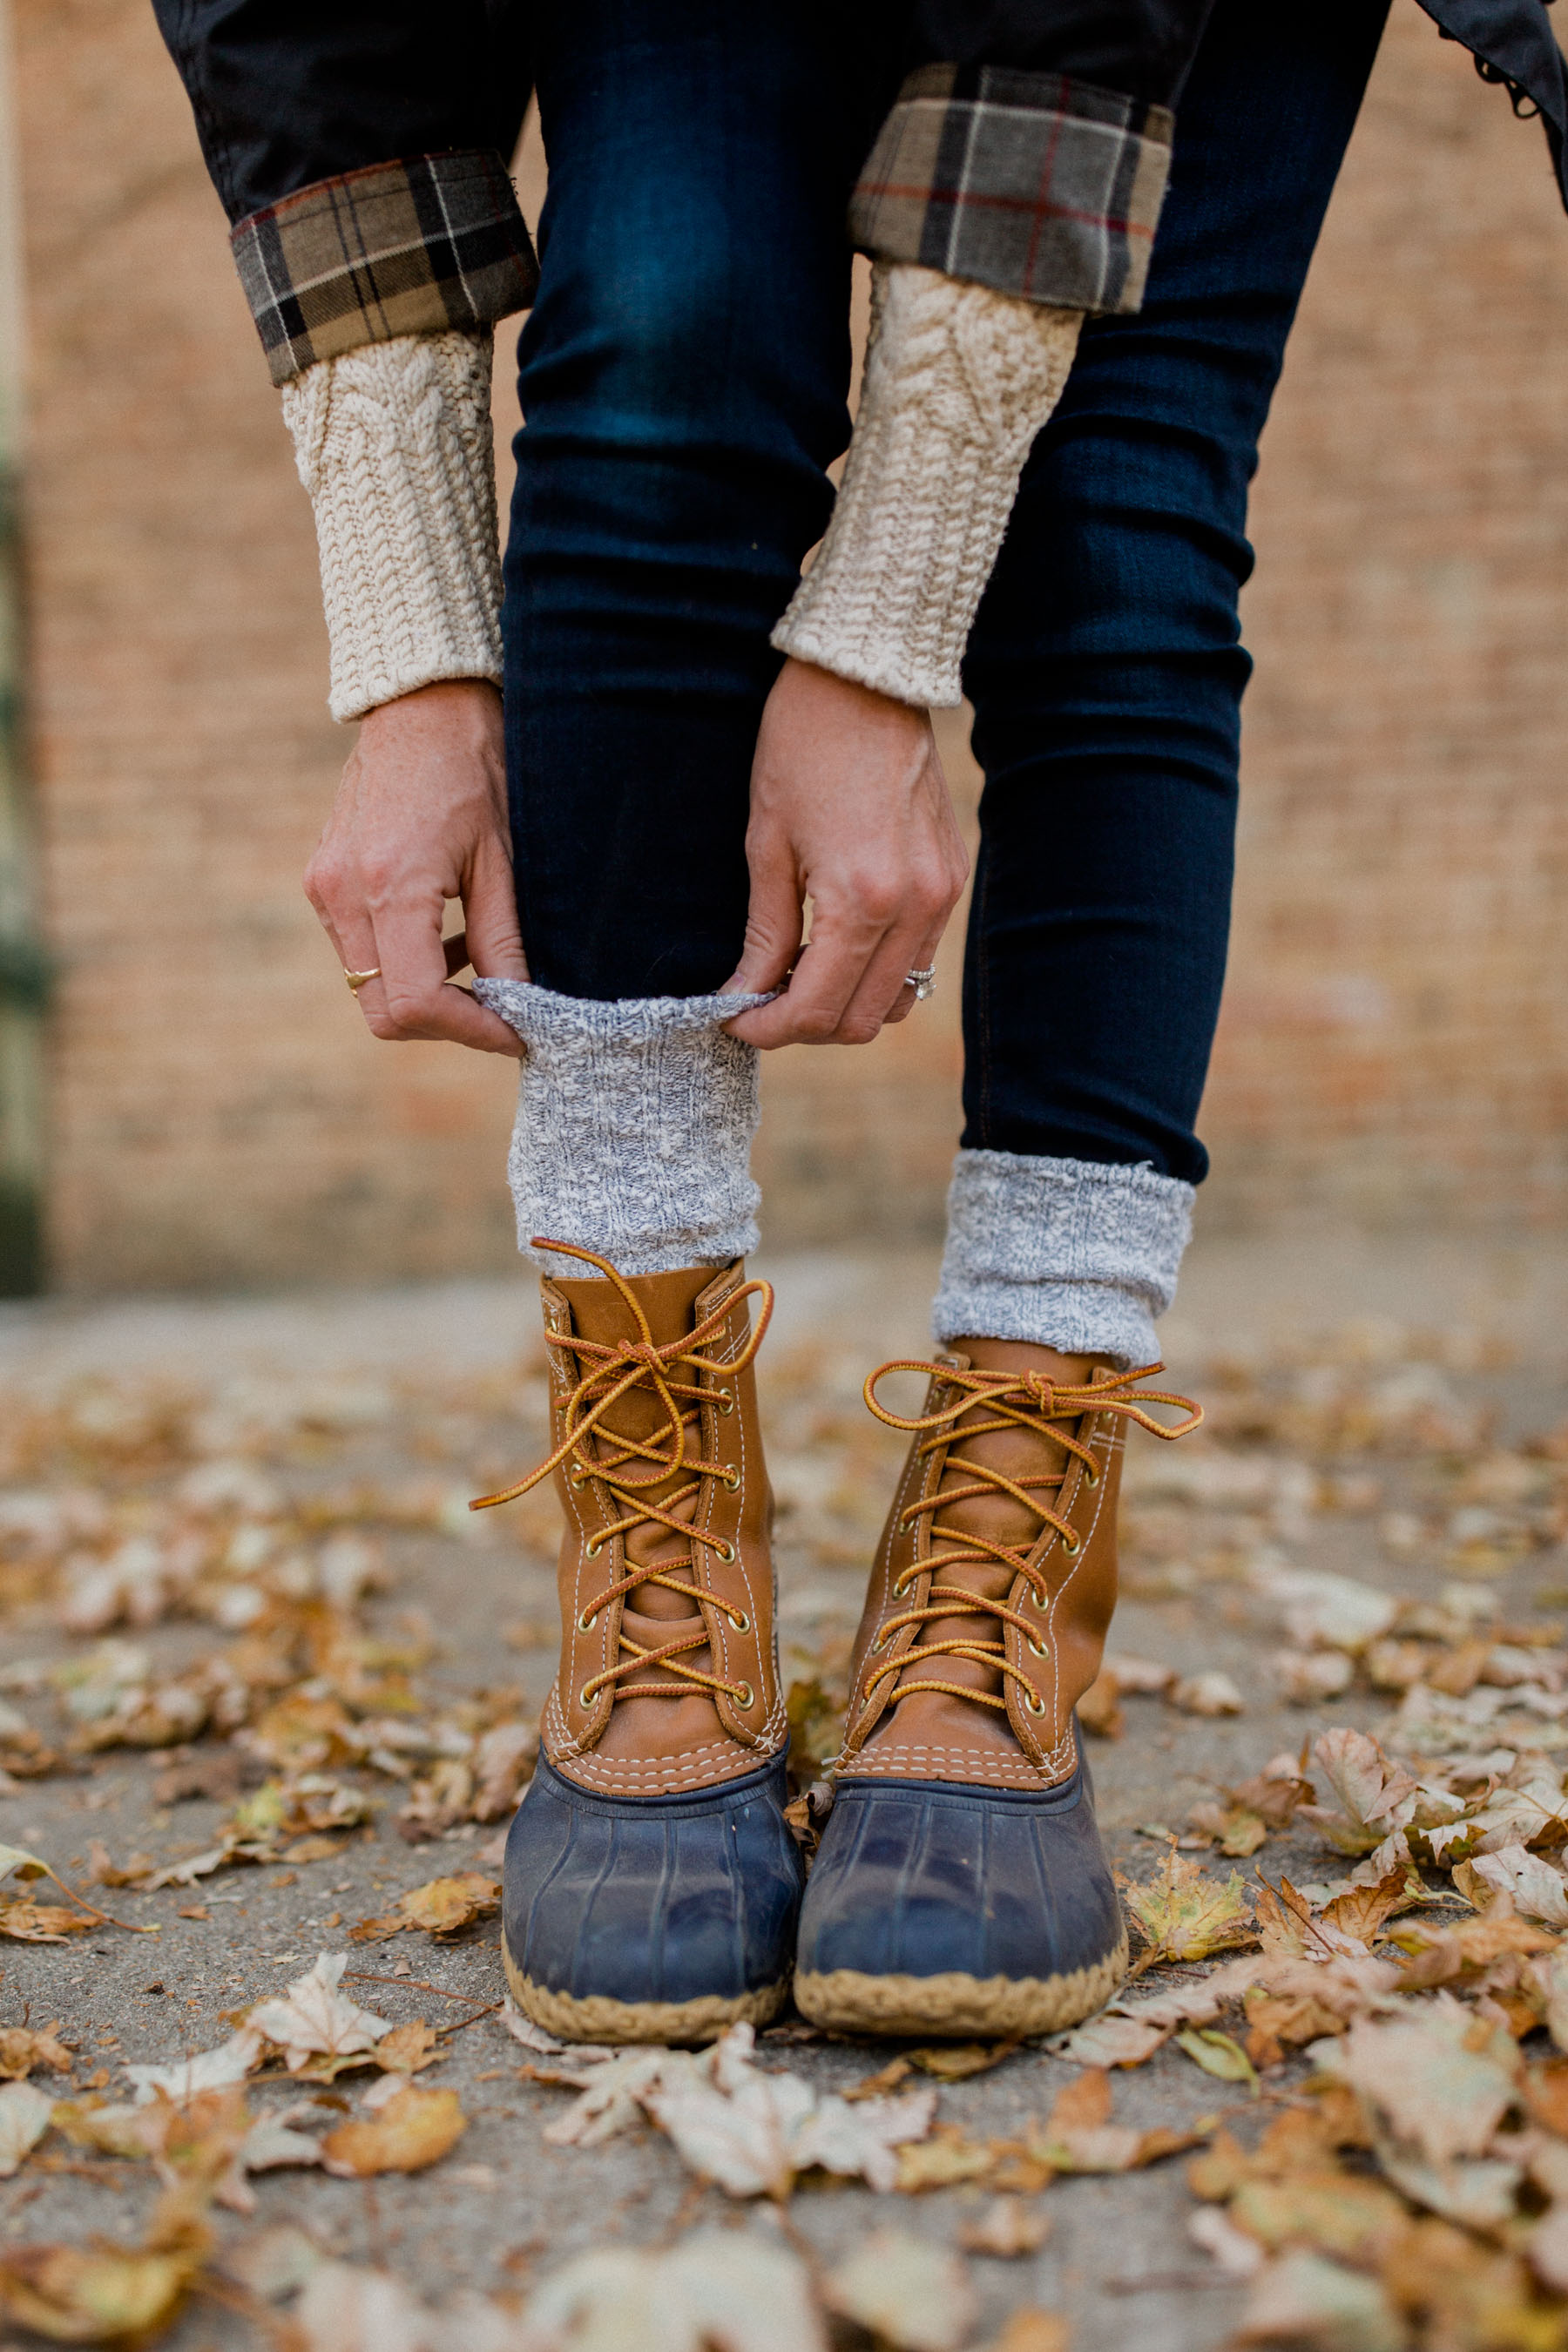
(1394, 1040)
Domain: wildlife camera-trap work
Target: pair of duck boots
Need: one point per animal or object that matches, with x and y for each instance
(654, 1891)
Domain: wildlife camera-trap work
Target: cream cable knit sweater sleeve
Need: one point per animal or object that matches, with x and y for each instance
(393, 441)
(958, 382)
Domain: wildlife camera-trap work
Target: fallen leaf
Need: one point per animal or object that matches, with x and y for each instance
(502, 1765)
(905, 2291)
(344, 2309)
(212, 2069)
(1441, 1955)
(1538, 1890)
(1219, 2054)
(445, 1905)
(1424, 2074)
(1109, 2040)
(728, 2289)
(1374, 1797)
(25, 2115)
(415, 2128)
(1007, 2228)
(1185, 1917)
(407, 2048)
(313, 2015)
(94, 2294)
(1361, 1911)
(956, 2062)
(1078, 2135)
(23, 2047)
(42, 1923)
(1210, 1693)
(1304, 2300)
(947, 2157)
(1100, 1710)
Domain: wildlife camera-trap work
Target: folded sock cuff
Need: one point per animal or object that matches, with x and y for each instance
(635, 1121)
(1067, 1253)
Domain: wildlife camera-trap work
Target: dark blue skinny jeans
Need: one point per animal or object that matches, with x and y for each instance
(683, 380)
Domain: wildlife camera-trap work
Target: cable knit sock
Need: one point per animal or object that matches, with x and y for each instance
(393, 441)
(958, 382)
(634, 1128)
(1066, 1253)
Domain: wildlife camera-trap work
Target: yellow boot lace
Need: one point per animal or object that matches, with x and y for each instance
(1013, 1400)
(604, 1458)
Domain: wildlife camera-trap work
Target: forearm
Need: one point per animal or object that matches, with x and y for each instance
(393, 445)
(959, 379)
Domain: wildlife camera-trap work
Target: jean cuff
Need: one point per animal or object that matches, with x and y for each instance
(1067, 1253)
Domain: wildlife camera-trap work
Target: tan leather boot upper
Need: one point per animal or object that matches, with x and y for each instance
(668, 1679)
(995, 1579)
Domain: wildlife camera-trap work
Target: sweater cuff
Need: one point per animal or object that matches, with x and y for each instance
(958, 383)
(393, 441)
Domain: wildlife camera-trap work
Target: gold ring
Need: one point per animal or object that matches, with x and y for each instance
(356, 979)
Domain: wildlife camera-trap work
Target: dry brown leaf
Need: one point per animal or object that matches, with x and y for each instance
(443, 1905)
(1435, 2077)
(23, 2047)
(1007, 2228)
(1373, 1796)
(1362, 1911)
(1100, 1710)
(94, 2294)
(1537, 1890)
(1306, 2302)
(946, 2159)
(1210, 1693)
(209, 2070)
(905, 2292)
(955, 2062)
(1185, 1917)
(41, 1923)
(1079, 2137)
(408, 2048)
(729, 2288)
(1341, 2213)
(414, 2128)
(313, 2016)
(1441, 1956)
(1236, 1830)
(503, 1764)
(1281, 2021)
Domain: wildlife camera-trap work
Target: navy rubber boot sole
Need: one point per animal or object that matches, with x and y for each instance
(940, 1908)
(650, 1919)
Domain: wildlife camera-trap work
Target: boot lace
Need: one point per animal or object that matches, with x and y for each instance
(621, 1469)
(1011, 1401)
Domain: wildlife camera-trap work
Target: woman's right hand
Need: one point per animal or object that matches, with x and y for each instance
(420, 817)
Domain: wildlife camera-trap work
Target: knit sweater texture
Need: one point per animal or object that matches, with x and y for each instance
(393, 441)
(958, 382)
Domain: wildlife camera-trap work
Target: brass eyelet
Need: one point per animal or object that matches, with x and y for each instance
(591, 1549)
(746, 1698)
(726, 1400)
(879, 1642)
(584, 1696)
(585, 1623)
(727, 1553)
(900, 1586)
(1035, 1706)
(1090, 1474)
(1072, 1549)
(732, 1480)
(739, 1620)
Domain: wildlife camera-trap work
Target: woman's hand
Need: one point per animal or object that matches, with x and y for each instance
(849, 809)
(420, 817)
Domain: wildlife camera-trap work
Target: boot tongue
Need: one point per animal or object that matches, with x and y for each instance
(1019, 1454)
(652, 1614)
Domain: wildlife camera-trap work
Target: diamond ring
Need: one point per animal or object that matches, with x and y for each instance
(922, 982)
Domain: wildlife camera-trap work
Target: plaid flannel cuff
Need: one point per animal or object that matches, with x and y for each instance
(1027, 183)
(414, 246)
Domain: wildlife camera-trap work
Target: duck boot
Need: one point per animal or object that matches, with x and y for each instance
(651, 1882)
(961, 1887)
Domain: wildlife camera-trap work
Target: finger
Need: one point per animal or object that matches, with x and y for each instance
(922, 960)
(884, 984)
(774, 920)
(491, 917)
(821, 986)
(413, 998)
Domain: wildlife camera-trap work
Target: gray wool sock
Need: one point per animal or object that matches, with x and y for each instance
(1067, 1253)
(634, 1128)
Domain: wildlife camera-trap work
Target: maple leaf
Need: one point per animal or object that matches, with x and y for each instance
(1374, 1796)
(211, 2069)
(1185, 1917)
(313, 2015)
(1535, 1887)
(1078, 2135)
(411, 2129)
(1422, 2077)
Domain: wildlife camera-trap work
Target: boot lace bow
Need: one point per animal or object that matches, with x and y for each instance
(623, 1469)
(1006, 1401)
